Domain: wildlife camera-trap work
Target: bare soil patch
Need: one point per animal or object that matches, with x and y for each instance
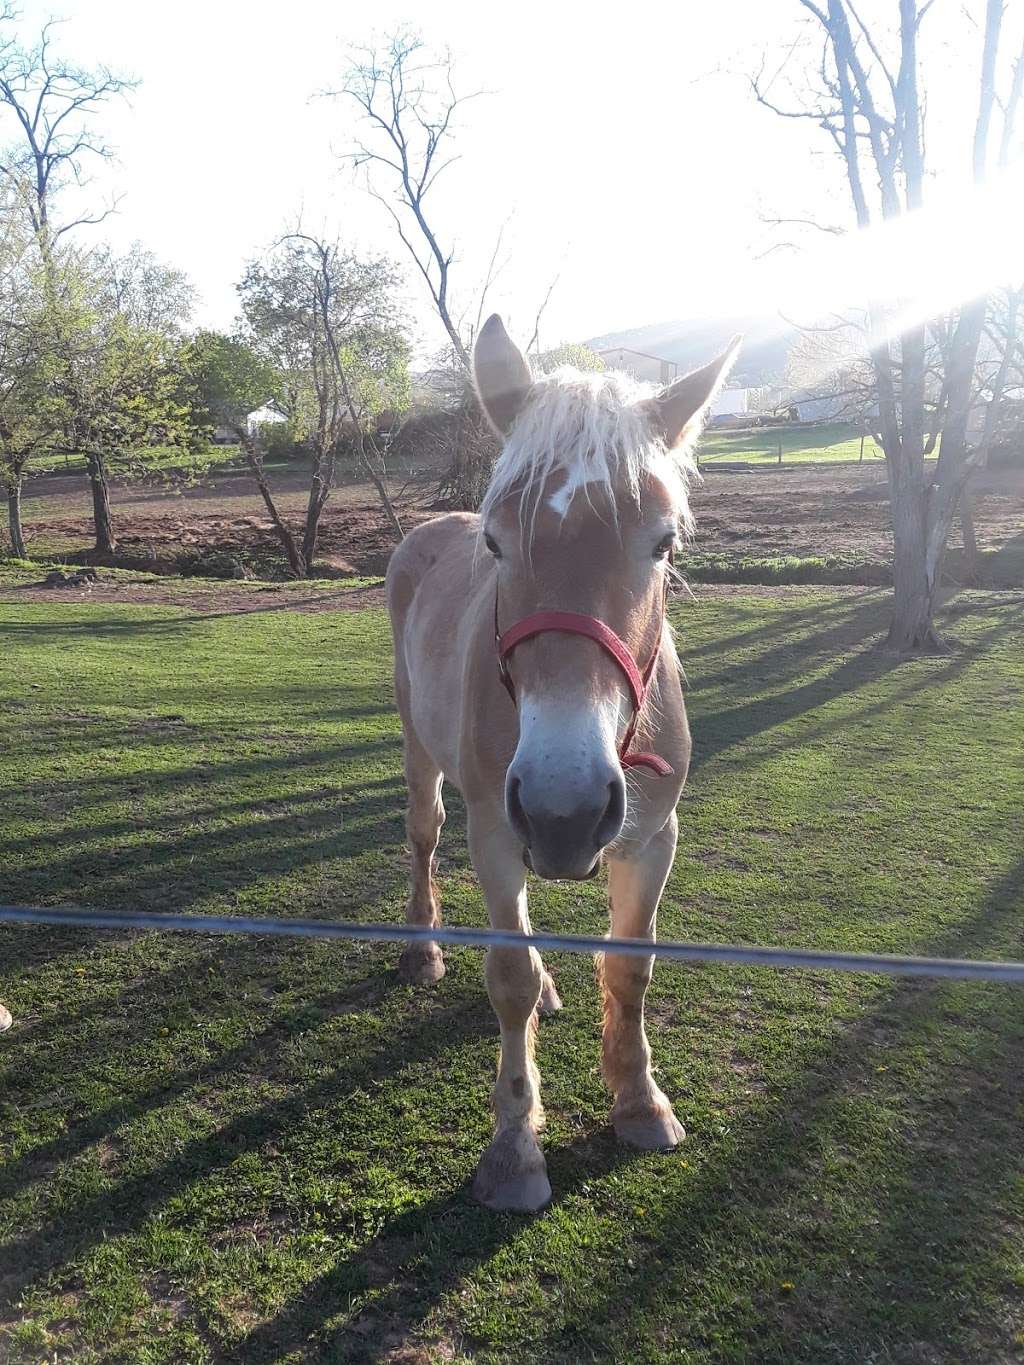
(795, 510)
(804, 510)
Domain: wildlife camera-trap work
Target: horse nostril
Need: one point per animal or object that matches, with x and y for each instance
(611, 822)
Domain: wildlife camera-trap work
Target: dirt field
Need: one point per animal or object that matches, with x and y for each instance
(796, 511)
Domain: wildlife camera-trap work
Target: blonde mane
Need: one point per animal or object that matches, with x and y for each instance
(594, 429)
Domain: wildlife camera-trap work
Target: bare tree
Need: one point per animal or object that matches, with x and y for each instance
(872, 108)
(341, 396)
(409, 105)
(52, 102)
(408, 100)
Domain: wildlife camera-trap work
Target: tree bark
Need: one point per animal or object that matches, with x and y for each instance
(911, 628)
(296, 561)
(319, 491)
(14, 518)
(106, 540)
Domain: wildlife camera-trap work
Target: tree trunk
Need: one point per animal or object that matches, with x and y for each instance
(296, 562)
(314, 509)
(911, 629)
(106, 541)
(14, 518)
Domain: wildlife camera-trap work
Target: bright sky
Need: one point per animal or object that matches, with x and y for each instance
(632, 170)
(623, 141)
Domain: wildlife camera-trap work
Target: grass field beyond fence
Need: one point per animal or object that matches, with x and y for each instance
(251, 1151)
(807, 443)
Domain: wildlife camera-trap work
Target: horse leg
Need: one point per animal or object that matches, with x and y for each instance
(421, 963)
(511, 1173)
(641, 1114)
(550, 1001)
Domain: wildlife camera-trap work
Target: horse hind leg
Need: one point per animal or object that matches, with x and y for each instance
(550, 1001)
(422, 963)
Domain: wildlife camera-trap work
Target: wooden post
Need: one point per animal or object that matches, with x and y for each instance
(862, 448)
(780, 450)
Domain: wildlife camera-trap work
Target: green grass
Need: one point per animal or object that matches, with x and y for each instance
(805, 444)
(166, 461)
(252, 1151)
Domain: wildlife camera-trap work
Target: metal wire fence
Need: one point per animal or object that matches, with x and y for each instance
(730, 953)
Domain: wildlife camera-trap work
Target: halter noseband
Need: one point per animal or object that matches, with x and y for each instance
(570, 623)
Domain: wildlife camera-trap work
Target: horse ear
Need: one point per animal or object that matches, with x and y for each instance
(678, 411)
(502, 376)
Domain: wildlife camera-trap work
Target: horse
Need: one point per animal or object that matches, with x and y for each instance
(532, 656)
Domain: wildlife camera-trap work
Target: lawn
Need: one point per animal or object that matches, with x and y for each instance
(805, 444)
(251, 1151)
(159, 461)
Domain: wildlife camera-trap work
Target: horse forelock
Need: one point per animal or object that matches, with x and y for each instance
(594, 431)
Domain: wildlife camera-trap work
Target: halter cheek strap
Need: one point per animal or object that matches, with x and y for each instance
(570, 623)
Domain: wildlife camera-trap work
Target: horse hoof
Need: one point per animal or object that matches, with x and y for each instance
(5, 1019)
(512, 1176)
(550, 1001)
(421, 964)
(656, 1131)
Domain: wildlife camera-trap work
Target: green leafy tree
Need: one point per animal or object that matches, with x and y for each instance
(570, 353)
(118, 379)
(330, 324)
(30, 413)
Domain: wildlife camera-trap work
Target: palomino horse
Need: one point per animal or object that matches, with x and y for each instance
(553, 596)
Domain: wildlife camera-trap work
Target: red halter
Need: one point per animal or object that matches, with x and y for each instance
(569, 623)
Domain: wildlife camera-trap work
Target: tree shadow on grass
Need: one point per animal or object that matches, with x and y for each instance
(410, 1265)
(718, 731)
(106, 620)
(142, 1008)
(911, 1283)
(948, 1177)
(783, 640)
(73, 1231)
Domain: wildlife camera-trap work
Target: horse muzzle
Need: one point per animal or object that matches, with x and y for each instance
(565, 844)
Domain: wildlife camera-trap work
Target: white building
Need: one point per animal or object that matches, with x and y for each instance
(260, 417)
(730, 403)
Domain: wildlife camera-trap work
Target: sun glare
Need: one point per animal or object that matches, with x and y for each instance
(960, 245)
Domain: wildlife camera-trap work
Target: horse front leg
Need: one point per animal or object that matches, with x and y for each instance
(642, 1114)
(512, 1173)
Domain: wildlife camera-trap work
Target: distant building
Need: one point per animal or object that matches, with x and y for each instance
(226, 436)
(731, 403)
(260, 417)
(655, 369)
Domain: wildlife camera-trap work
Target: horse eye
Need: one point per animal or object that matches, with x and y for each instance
(665, 545)
(492, 546)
